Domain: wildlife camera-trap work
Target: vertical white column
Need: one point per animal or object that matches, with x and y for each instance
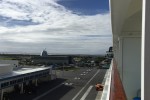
(21, 91)
(145, 70)
(120, 66)
(2, 92)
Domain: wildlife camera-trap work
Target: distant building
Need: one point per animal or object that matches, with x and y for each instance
(109, 53)
(44, 53)
(45, 59)
(110, 49)
(51, 60)
(22, 77)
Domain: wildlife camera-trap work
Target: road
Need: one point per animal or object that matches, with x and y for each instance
(79, 85)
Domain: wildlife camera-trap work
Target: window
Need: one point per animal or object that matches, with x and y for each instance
(26, 78)
(4, 84)
(31, 77)
(20, 80)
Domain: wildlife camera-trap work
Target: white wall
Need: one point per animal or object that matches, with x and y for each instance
(131, 65)
(146, 51)
(133, 23)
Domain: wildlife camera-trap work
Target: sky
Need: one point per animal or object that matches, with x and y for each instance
(60, 26)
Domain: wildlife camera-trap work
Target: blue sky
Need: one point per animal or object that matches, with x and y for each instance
(60, 26)
(88, 7)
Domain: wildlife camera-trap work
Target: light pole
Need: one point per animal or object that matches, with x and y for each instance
(63, 70)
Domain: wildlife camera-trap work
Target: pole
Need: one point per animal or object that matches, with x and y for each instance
(21, 91)
(2, 93)
(63, 70)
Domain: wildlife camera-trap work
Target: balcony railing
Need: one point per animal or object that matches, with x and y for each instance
(113, 88)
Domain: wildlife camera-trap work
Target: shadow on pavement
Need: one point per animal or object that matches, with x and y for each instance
(58, 93)
(40, 89)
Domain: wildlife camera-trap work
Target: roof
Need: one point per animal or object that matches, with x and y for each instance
(21, 72)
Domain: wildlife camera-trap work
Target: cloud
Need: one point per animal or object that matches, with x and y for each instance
(46, 24)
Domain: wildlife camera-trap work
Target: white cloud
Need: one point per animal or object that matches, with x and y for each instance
(57, 29)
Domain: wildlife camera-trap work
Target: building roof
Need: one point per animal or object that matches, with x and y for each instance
(22, 72)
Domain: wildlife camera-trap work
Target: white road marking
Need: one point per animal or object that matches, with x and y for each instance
(89, 70)
(83, 74)
(86, 93)
(40, 96)
(77, 78)
(85, 85)
(68, 84)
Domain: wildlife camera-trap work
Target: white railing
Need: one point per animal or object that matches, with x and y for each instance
(107, 83)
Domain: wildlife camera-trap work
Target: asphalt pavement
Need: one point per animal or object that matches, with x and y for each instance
(79, 85)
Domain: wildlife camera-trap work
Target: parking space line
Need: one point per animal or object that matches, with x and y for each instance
(86, 93)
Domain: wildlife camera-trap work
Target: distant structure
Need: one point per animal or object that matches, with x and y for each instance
(44, 53)
(52, 59)
(110, 49)
(109, 53)
(18, 79)
(46, 59)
